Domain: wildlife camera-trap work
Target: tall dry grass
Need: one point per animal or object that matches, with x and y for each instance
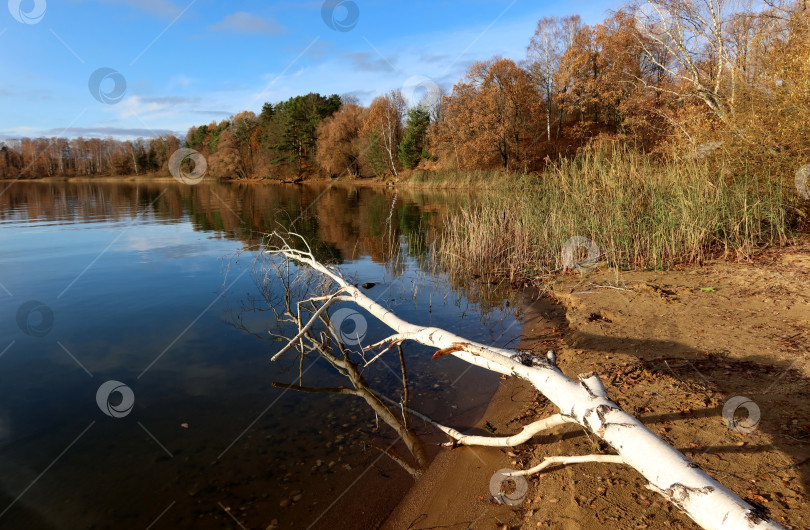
(449, 179)
(642, 213)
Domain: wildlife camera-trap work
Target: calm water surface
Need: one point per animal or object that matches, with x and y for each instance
(154, 286)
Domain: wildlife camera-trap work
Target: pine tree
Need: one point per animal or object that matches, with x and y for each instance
(413, 146)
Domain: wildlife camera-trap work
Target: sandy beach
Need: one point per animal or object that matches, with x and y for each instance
(672, 348)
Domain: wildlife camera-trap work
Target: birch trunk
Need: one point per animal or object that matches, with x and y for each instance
(585, 401)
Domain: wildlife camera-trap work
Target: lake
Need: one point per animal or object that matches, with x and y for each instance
(136, 388)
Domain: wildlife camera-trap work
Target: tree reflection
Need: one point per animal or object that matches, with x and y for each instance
(341, 222)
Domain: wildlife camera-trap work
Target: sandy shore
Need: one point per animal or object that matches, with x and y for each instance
(672, 348)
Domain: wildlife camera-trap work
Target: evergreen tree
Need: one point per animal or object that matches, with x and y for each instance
(413, 146)
(297, 120)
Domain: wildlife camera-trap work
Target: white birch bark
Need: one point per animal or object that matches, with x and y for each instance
(710, 504)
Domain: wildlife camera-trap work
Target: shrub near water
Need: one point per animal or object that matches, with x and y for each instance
(641, 212)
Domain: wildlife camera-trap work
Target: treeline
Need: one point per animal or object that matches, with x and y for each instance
(698, 76)
(701, 76)
(316, 135)
(55, 157)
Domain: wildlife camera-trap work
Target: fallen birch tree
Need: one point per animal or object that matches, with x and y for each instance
(583, 401)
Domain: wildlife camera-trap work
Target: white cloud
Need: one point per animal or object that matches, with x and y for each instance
(162, 8)
(103, 132)
(242, 22)
(141, 107)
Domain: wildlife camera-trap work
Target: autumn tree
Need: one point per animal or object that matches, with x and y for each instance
(610, 83)
(196, 137)
(383, 128)
(492, 116)
(783, 84)
(244, 128)
(695, 37)
(769, 95)
(57, 156)
(215, 131)
(160, 149)
(341, 147)
(227, 161)
(10, 161)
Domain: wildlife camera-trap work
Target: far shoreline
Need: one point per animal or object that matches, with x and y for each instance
(371, 182)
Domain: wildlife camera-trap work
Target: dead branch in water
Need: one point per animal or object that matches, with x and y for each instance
(296, 297)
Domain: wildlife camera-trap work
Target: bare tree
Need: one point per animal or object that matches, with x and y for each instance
(695, 35)
(552, 38)
(433, 101)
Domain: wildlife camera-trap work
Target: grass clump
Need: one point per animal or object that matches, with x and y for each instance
(641, 212)
(478, 179)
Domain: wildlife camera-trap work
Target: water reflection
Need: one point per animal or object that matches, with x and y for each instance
(341, 221)
(145, 281)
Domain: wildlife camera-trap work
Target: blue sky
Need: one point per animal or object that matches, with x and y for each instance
(192, 62)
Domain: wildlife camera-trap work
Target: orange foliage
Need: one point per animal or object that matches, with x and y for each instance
(341, 148)
(493, 117)
(385, 116)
